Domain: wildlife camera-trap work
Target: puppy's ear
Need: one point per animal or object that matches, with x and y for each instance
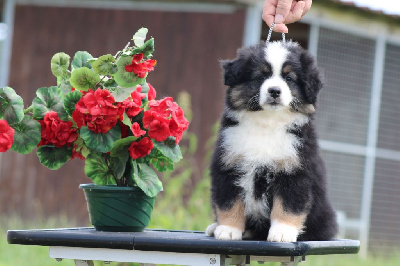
(312, 77)
(233, 71)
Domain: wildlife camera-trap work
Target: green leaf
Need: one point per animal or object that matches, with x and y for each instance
(26, 136)
(104, 64)
(100, 142)
(121, 93)
(124, 78)
(81, 59)
(83, 79)
(49, 99)
(97, 168)
(162, 163)
(126, 121)
(64, 85)
(169, 149)
(140, 36)
(11, 106)
(81, 147)
(121, 146)
(145, 178)
(60, 64)
(53, 157)
(147, 49)
(70, 100)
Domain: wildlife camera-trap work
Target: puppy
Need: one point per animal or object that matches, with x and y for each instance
(268, 180)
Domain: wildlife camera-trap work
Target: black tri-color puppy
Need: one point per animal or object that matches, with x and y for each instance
(268, 178)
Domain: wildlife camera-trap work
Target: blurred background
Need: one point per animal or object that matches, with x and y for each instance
(356, 45)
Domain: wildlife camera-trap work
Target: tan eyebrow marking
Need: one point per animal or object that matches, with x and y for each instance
(287, 69)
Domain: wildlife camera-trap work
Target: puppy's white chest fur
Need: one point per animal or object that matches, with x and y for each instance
(261, 139)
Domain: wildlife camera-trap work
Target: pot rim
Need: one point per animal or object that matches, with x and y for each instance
(93, 186)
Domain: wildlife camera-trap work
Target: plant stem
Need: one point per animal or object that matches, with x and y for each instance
(29, 109)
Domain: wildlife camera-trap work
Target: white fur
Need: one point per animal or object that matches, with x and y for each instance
(225, 232)
(256, 208)
(276, 81)
(261, 139)
(211, 228)
(280, 232)
(276, 54)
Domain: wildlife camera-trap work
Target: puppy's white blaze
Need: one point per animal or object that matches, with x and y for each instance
(225, 232)
(280, 232)
(276, 55)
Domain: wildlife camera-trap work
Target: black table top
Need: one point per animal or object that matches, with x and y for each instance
(175, 241)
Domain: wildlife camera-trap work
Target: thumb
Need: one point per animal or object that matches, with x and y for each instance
(282, 10)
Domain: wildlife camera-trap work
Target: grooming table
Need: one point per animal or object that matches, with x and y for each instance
(151, 247)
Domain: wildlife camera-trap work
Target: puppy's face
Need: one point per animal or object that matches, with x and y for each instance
(272, 76)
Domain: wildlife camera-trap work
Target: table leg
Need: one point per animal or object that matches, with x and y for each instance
(294, 261)
(84, 263)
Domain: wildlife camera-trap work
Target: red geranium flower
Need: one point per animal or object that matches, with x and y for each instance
(6, 136)
(141, 148)
(152, 92)
(55, 131)
(161, 106)
(133, 103)
(137, 131)
(159, 130)
(178, 124)
(140, 67)
(97, 110)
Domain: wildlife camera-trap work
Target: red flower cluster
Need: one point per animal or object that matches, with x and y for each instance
(141, 148)
(6, 136)
(165, 118)
(55, 131)
(133, 104)
(97, 110)
(140, 67)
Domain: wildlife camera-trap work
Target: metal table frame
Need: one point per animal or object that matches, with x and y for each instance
(151, 247)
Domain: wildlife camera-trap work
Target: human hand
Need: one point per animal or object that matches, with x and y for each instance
(284, 12)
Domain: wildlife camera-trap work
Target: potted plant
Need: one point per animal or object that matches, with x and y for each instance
(104, 112)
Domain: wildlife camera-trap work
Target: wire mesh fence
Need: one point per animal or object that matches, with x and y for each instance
(349, 63)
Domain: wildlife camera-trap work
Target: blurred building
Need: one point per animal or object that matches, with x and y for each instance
(359, 114)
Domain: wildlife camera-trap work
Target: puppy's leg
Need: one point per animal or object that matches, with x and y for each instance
(285, 225)
(230, 223)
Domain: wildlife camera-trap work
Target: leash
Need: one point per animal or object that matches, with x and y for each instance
(270, 33)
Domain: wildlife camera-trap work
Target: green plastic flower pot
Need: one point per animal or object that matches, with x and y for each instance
(118, 209)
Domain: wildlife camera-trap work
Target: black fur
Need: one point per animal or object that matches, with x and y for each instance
(303, 189)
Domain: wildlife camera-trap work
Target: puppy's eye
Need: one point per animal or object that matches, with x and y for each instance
(288, 78)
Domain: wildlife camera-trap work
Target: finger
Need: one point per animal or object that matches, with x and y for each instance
(269, 11)
(281, 28)
(307, 6)
(296, 13)
(282, 10)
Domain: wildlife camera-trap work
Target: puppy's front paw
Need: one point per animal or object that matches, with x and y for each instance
(225, 232)
(280, 232)
(211, 229)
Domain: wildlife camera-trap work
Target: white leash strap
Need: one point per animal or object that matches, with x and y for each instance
(270, 33)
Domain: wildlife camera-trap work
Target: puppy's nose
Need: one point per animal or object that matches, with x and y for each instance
(275, 92)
